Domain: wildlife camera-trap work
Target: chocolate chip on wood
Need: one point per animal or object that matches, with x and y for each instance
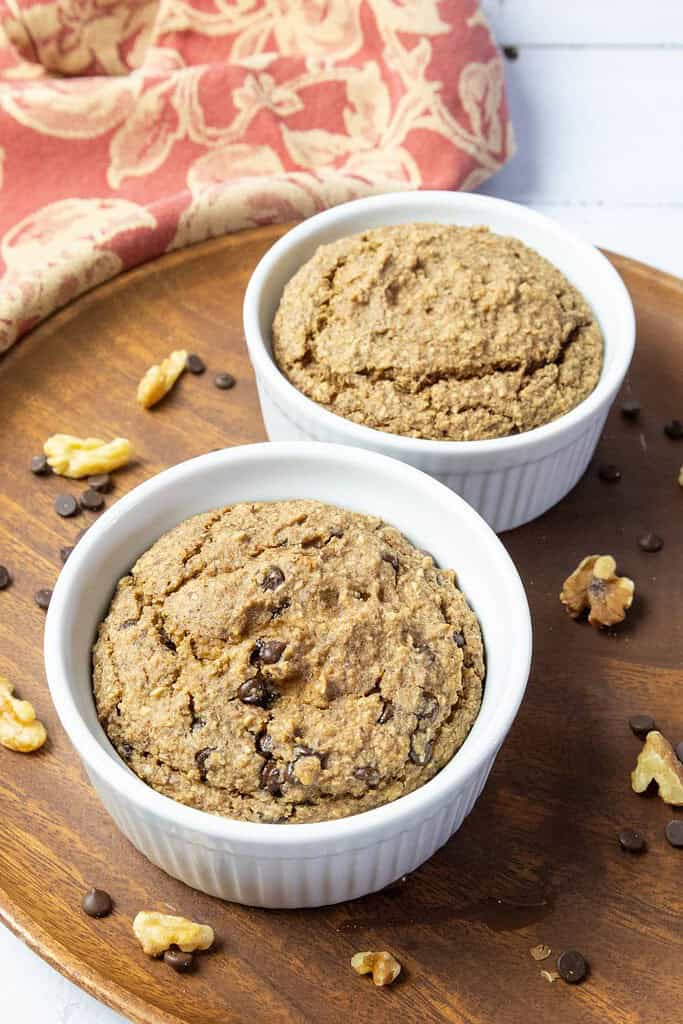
(674, 430)
(66, 505)
(572, 966)
(40, 465)
(100, 482)
(43, 597)
(641, 725)
(5, 577)
(194, 363)
(175, 958)
(630, 409)
(674, 832)
(224, 381)
(91, 500)
(97, 903)
(631, 841)
(650, 542)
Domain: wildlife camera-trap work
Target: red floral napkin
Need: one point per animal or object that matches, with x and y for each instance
(132, 127)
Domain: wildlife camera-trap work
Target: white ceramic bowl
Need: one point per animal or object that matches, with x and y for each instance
(289, 865)
(509, 480)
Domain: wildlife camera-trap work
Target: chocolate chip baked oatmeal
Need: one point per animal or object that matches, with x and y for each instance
(287, 662)
(437, 331)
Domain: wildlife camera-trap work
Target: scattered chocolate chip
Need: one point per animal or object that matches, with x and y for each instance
(165, 639)
(174, 957)
(367, 774)
(674, 430)
(127, 623)
(100, 482)
(65, 552)
(91, 500)
(386, 714)
(572, 966)
(97, 903)
(641, 725)
(271, 778)
(650, 542)
(195, 363)
(630, 409)
(387, 556)
(609, 473)
(674, 832)
(39, 465)
(42, 597)
(268, 652)
(459, 639)
(273, 578)
(631, 841)
(201, 757)
(66, 505)
(126, 751)
(421, 758)
(5, 578)
(510, 52)
(224, 381)
(257, 691)
(679, 751)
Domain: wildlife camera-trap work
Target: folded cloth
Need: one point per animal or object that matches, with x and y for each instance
(132, 127)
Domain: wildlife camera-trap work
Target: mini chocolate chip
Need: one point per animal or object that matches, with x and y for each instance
(674, 430)
(510, 52)
(91, 500)
(423, 758)
(679, 751)
(641, 725)
(5, 577)
(65, 552)
(428, 706)
(386, 714)
(126, 750)
(42, 597)
(631, 841)
(459, 639)
(224, 381)
(195, 363)
(257, 691)
(100, 482)
(201, 757)
(367, 774)
(39, 465)
(572, 966)
(174, 957)
(197, 723)
(165, 639)
(674, 832)
(128, 623)
(609, 473)
(97, 903)
(630, 409)
(387, 556)
(277, 611)
(268, 652)
(66, 505)
(271, 778)
(273, 579)
(650, 542)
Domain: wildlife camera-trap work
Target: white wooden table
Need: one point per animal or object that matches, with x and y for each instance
(597, 102)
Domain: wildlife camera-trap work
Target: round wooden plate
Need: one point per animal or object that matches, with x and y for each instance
(537, 860)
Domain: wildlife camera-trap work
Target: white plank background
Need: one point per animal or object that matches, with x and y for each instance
(597, 102)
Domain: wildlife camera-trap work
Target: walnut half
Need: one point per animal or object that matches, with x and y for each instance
(160, 378)
(595, 587)
(19, 728)
(657, 761)
(158, 932)
(384, 967)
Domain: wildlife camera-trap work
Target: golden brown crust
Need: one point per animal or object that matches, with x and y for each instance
(287, 662)
(437, 331)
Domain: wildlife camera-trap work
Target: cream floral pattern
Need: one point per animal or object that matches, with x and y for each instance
(132, 127)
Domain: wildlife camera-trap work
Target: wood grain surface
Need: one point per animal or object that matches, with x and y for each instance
(536, 861)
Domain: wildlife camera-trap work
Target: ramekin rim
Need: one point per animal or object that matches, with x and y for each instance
(388, 816)
(269, 373)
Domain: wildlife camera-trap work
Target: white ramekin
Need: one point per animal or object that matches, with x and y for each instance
(290, 865)
(509, 480)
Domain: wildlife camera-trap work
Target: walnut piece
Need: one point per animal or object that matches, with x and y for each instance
(680, 476)
(657, 761)
(19, 728)
(384, 967)
(550, 976)
(540, 952)
(159, 379)
(158, 932)
(84, 456)
(595, 587)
